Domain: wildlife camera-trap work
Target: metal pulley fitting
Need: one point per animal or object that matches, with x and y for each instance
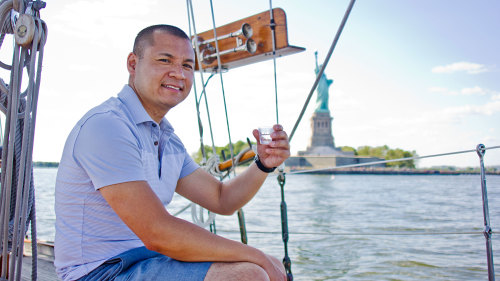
(24, 30)
(481, 150)
(21, 6)
(18, 5)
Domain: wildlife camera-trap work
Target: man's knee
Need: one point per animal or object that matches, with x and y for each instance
(238, 271)
(277, 261)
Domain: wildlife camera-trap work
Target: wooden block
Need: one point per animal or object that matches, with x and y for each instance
(262, 35)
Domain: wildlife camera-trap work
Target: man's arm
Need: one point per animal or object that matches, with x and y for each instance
(142, 211)
(227, 197)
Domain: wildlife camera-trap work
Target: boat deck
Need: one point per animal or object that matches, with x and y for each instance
(45, 262)
(45, 269)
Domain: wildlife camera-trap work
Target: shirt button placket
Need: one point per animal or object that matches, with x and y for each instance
(155, 134)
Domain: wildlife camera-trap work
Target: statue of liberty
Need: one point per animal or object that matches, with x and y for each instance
(322, 89)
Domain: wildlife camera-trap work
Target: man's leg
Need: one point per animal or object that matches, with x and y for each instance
(236, 271)
(240, 271)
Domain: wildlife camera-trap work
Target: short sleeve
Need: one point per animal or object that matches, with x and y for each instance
(188, 166)
(108, 150)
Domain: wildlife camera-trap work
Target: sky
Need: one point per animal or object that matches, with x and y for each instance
(416, 75)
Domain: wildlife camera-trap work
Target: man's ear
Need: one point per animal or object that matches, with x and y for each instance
(131, 63)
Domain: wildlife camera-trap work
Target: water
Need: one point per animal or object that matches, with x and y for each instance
(356, 227)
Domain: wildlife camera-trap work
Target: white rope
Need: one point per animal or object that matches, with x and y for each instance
(212, 166)
(197, 216)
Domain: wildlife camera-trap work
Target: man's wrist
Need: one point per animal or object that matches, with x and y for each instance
(262, 167)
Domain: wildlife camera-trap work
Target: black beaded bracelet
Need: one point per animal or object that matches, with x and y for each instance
(262, 167)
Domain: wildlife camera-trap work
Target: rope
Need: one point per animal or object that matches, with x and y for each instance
(5, 10)
(7, 181)
(212, 166)
(197, 216)
(17, 194)
(408, 233)
(389, 161)
(197, 49)
(205, 85)
(213, 170)
(320, 73)
(272, 25)
(6, 25)
(221, 80)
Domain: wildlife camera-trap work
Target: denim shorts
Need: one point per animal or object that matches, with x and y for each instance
(143, 264)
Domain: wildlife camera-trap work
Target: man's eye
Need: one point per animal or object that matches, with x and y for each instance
(164, 60)
(188, 66)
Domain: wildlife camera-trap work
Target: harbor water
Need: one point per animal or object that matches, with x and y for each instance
(356, 227)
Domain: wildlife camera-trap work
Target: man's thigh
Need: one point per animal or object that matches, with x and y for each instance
(236, 271)
(163, 268)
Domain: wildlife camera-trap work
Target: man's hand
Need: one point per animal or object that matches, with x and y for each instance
(277, 151)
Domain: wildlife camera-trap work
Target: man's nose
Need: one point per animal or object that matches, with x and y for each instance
(177, 72)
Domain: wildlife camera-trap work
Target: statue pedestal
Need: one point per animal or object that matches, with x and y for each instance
(321, 126)
(321, 142)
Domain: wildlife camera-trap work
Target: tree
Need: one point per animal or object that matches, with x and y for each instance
(397, 154)
(387, 153)
(237, 148)
(349, 149)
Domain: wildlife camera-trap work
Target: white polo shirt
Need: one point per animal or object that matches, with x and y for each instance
(114, 142)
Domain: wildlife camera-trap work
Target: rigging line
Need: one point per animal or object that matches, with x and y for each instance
(197, 104)
(219, 66)
(197, 48)
(28, 135)
(272, 25)
(281, 178)
(388, 161)
(325, 63)
(189, 6)
(480, 149)
(205, 85)
(408, 233)
(32, 212)
(14, 86)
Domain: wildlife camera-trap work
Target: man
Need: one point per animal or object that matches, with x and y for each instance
(120, 166)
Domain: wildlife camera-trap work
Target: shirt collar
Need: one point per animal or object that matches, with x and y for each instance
(129, 98)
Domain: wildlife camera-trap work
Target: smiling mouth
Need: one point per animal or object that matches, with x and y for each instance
(172, 87)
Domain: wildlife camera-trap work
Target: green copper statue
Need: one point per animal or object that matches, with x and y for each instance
(322, 89)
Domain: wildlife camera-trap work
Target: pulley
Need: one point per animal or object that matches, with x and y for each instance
(24, 30)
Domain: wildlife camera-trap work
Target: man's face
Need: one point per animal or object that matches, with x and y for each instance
(163, 77)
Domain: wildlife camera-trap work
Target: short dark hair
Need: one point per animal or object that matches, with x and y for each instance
(145, 37)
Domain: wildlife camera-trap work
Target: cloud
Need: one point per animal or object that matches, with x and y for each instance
(444, 91)
(466, 92)
(486, 109)
(473, 91)
(468, 67)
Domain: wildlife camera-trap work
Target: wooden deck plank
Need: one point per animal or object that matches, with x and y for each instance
(45, 269)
